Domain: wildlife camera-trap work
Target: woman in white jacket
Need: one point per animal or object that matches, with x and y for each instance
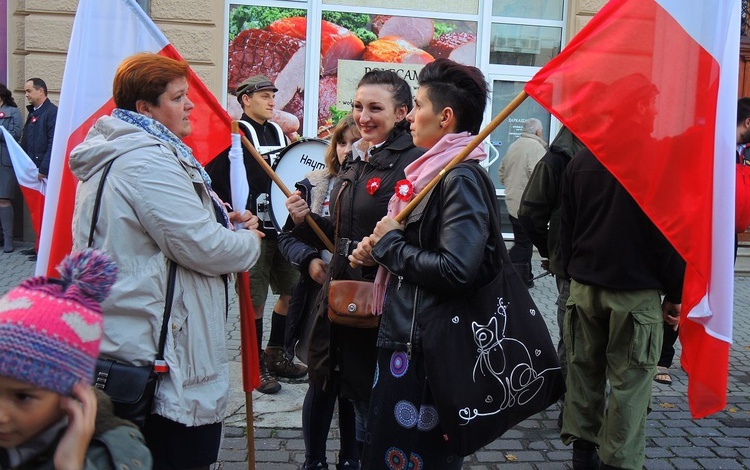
(157, 205)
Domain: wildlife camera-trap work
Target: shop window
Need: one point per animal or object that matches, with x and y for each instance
(525, 45)
(503, 92)
(353, 43)
(538, 9)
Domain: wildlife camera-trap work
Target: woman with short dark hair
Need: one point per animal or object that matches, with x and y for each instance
(446, 249)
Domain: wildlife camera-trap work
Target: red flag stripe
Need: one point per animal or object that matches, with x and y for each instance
(591, 87)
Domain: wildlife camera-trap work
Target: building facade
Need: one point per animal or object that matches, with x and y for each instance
(509, 40)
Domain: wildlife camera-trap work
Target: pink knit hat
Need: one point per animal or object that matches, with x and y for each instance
(50, 328)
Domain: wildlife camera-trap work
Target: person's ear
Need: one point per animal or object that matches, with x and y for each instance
(143, 107)
(246, 99)
(447, 119)
(401, 113)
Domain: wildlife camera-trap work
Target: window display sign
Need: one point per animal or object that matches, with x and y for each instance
(351, 71)
(273, 41)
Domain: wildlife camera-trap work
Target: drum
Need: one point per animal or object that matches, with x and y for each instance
(293, 163)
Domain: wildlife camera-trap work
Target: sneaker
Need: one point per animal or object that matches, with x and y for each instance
(280, 366)
(268, 384)
(28, 251)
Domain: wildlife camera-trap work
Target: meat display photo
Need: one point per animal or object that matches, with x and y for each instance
(273, 41)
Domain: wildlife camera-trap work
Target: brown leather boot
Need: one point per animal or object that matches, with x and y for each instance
(280, 366)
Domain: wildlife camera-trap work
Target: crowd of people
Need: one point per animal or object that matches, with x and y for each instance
(127, 241)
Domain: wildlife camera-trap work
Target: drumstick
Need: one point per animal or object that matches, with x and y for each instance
(267, 168)
(483, 134)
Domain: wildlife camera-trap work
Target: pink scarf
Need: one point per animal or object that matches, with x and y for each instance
(419, 173)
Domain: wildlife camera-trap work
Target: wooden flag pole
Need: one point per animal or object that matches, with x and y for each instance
(475, 142)
(267, 168)
(248, 350)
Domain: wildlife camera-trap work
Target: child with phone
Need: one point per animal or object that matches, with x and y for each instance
(50, 415)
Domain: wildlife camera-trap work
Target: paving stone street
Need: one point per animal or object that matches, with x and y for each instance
(674, 439)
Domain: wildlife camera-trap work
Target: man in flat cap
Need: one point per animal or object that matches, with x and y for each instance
(256, 96)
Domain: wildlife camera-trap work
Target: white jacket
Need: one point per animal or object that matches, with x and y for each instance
(155, 206)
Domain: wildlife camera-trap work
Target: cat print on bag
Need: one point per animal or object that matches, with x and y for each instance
(517, 385)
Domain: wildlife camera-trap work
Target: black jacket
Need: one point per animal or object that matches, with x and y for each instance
(257, 179)
(539, 213)
(444, 251)
(300, 254)
(38, 133)
(353, 350)
(606, 238)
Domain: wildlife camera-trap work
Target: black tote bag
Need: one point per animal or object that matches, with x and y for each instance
(489, 357)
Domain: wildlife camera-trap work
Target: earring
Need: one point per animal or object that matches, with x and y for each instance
(441, 125)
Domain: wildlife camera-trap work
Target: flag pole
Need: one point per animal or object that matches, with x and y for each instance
(267, 168)
(483, 134)
(248, 348)
(248, 342)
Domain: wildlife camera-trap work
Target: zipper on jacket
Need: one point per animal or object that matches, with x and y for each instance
(414, 305)
(413, 321)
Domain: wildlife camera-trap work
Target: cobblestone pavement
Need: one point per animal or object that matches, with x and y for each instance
(674, 440)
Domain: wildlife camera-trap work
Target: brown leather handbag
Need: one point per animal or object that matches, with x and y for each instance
(350, 304)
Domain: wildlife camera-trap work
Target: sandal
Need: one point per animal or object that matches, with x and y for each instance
(662, 376)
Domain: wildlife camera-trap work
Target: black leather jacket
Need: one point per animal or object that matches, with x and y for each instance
(445, 250)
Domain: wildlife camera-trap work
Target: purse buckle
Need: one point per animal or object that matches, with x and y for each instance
(352, 307)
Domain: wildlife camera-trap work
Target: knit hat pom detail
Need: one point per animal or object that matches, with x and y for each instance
(92, 271)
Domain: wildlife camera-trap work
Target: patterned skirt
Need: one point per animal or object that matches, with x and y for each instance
(403, 427)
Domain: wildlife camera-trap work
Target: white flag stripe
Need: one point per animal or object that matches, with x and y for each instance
(26, 171)
(721, 284)
(104, 33)
(699, 18)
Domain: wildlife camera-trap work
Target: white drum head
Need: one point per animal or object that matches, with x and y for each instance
(294, 162)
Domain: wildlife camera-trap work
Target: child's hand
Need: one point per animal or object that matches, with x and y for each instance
(71, 450)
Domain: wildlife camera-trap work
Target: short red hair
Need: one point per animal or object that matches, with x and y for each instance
(145, 76)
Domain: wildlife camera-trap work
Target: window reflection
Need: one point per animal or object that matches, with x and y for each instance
(533, 46)
(539, 9)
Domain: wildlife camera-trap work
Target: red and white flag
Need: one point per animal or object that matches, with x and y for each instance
(682, 176)
(104, 33)
(27, 175)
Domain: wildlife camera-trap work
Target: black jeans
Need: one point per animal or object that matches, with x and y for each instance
(317, 413)
(667, 347)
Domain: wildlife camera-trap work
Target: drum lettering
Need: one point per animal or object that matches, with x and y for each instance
(312, 163)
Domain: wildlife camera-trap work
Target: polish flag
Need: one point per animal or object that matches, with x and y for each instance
(27, 175)
(682, 174)
(104, 33)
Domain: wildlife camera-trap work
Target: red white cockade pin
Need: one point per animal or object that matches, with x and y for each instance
(373, 185)
(404, 190)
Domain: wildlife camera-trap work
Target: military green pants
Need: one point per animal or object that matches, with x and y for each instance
(611, 335)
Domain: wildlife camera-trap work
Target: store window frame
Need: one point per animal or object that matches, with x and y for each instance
(513, 73)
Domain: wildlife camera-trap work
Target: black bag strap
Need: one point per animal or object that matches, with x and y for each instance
(502, 255)
(172, 265)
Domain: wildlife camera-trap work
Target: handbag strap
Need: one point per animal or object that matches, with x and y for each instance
(502, 255)
(159, 360)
